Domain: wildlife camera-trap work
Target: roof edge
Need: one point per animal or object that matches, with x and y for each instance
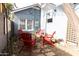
(20, 9)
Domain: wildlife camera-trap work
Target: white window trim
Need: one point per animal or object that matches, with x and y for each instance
(19, 26)
(26, 26)
(32, 26)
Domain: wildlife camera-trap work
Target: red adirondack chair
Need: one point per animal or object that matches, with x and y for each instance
(19, 33)
(27, 40)
(47, 40)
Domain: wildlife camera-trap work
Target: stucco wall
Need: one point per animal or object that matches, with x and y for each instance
(30, 14)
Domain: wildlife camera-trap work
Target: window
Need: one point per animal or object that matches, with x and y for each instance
(30, 25)
(26, 25)
(49, 16)
(22, 24)
(36, 23)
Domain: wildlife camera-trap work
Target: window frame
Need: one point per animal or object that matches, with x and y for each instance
(32, 25)
(21, 23)
(26, 28)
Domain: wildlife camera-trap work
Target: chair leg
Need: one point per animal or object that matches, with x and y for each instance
(21, 49)
(30, 52)
(42, 47)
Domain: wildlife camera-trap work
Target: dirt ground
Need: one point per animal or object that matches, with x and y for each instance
(37, 51)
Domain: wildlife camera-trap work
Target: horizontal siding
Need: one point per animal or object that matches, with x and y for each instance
(29, 14)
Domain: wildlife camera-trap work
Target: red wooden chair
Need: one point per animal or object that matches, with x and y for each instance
(19, 33)
(27, 40)
(47, 40)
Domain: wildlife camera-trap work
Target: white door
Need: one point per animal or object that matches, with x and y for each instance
(49, 21)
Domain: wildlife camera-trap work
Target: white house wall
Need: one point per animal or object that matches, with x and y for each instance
(59, 23)
(43, 19)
